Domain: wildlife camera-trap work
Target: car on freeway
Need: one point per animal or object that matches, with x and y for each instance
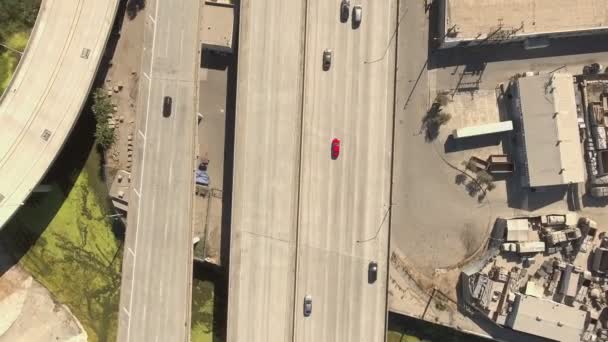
(307, 305)
(344, 10)
(372, 272)
(335, 148)
(357, 13)
(167, 101)
(327, 53)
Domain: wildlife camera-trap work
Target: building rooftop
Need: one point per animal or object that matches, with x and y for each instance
(553, 148)
(217, 24)
(519, 230)
(119, 191)
(480, 19)
(546, 319)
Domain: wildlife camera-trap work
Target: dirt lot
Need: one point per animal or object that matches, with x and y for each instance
(122, 84)
(30, 313)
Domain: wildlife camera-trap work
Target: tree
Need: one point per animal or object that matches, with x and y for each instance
(102, 108)
(104, 135)
(102, 105)
(434, 118)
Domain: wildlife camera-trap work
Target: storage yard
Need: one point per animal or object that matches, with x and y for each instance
(544, 276)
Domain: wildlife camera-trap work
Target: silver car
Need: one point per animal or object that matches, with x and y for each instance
(307, 305)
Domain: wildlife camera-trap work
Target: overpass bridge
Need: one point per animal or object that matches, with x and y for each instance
(48, 91)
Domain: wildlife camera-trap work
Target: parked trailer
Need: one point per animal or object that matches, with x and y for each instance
(472, 131)
(531, 247)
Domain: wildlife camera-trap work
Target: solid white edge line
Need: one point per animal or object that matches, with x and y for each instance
(143, 164)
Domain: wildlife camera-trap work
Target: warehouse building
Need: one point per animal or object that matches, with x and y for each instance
(550, 150)
(547, 319)
(533, 22)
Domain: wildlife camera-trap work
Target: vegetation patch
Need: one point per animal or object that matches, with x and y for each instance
(17, 18)
(408, 329)
(202, 311)
(103, 109)
(65, 242)
(8, 63)
(394, 336)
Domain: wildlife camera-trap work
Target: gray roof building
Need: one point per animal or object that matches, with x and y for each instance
(546, 107)
(546, 319)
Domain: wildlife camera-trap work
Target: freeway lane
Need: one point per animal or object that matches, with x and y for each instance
(266, 160)
(290, 198)
(345, 200)
(155, 294)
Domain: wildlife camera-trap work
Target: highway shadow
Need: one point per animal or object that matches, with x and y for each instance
(31, 220)
(39, 209)
(408, 326)
(220, 309)
(215, 60)
(216, 324)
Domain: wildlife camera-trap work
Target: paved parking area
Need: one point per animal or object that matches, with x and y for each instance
(211, 146)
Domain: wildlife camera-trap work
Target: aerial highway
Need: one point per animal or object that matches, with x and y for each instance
(302, 223)
(266, 171)
(47, 92)
(344, 203)
(157, 264)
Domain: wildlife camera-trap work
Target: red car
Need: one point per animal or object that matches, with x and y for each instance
(335, 148)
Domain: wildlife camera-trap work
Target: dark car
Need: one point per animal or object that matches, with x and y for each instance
(335, 148)
(344, 10)
(307, 305)
(327, 53)
(372, 272)
(167, 101)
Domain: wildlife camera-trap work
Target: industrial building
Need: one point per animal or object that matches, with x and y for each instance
(550, 147)
(553, 293)
(546, 318)
(533, 22)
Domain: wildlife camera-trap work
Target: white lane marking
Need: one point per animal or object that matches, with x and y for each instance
(181, 45)
(145, 312)
(131, 251)
(126, 311)
(160, 290)
(146, 75)
(143, 164)
(142, 135)
(137, 193)
(152, 19)
(171, 172)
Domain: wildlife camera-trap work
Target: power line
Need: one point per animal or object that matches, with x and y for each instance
(11, 49)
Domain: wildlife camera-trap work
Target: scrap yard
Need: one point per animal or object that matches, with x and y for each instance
(543, 275)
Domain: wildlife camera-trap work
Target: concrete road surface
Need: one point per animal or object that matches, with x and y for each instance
(344, 203)
(155, 294)
(292, 199)
(47, 92)
(266, 171)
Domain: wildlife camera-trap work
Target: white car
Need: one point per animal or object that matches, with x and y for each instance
(357, 13)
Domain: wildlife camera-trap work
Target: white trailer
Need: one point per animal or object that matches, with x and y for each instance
(531, 247)
(472, 131)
